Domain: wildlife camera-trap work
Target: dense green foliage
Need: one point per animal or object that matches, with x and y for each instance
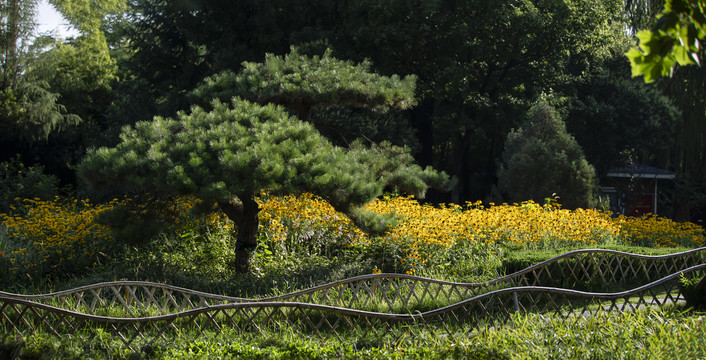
(29, 110)
(56, 102)
(685, 89)
(624, 114)
(541, 160)
(19, 182)
(244, 148)
(675, 39)
(479, 66)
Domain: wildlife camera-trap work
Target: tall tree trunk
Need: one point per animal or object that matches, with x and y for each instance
(8, 41)
(245, 217)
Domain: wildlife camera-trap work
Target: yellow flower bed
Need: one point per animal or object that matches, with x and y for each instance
(652, 230)
(64, 234)
(304, 218)
(423, 227)
(529, 224)
(56, 233)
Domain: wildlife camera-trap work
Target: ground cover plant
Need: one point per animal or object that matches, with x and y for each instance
(644, 334)
(303, 242)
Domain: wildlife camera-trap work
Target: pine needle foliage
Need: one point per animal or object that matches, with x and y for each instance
(228, 151)
(302, 82)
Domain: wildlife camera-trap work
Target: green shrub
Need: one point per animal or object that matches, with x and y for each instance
(18, 182)
(694, 291)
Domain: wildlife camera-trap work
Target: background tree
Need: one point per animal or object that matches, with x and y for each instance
(178, 43)
(57, 103)
(82, 74)
(29, 109)
(17, 23)
(479, 64)
(541, 159)
(641, 13)
(627, 116)
(687, 151)
(24, 55)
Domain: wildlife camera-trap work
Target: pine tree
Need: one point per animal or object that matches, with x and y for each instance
(227, 154)
(541, 159)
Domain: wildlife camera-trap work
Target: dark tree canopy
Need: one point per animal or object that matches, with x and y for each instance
(627, 116)
(479, 64)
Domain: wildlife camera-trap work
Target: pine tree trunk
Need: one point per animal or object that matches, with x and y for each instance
(245, 217)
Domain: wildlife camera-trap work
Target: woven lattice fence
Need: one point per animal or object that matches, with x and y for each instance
(566, 286)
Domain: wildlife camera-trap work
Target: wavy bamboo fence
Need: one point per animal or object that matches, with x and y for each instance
(568, 286)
